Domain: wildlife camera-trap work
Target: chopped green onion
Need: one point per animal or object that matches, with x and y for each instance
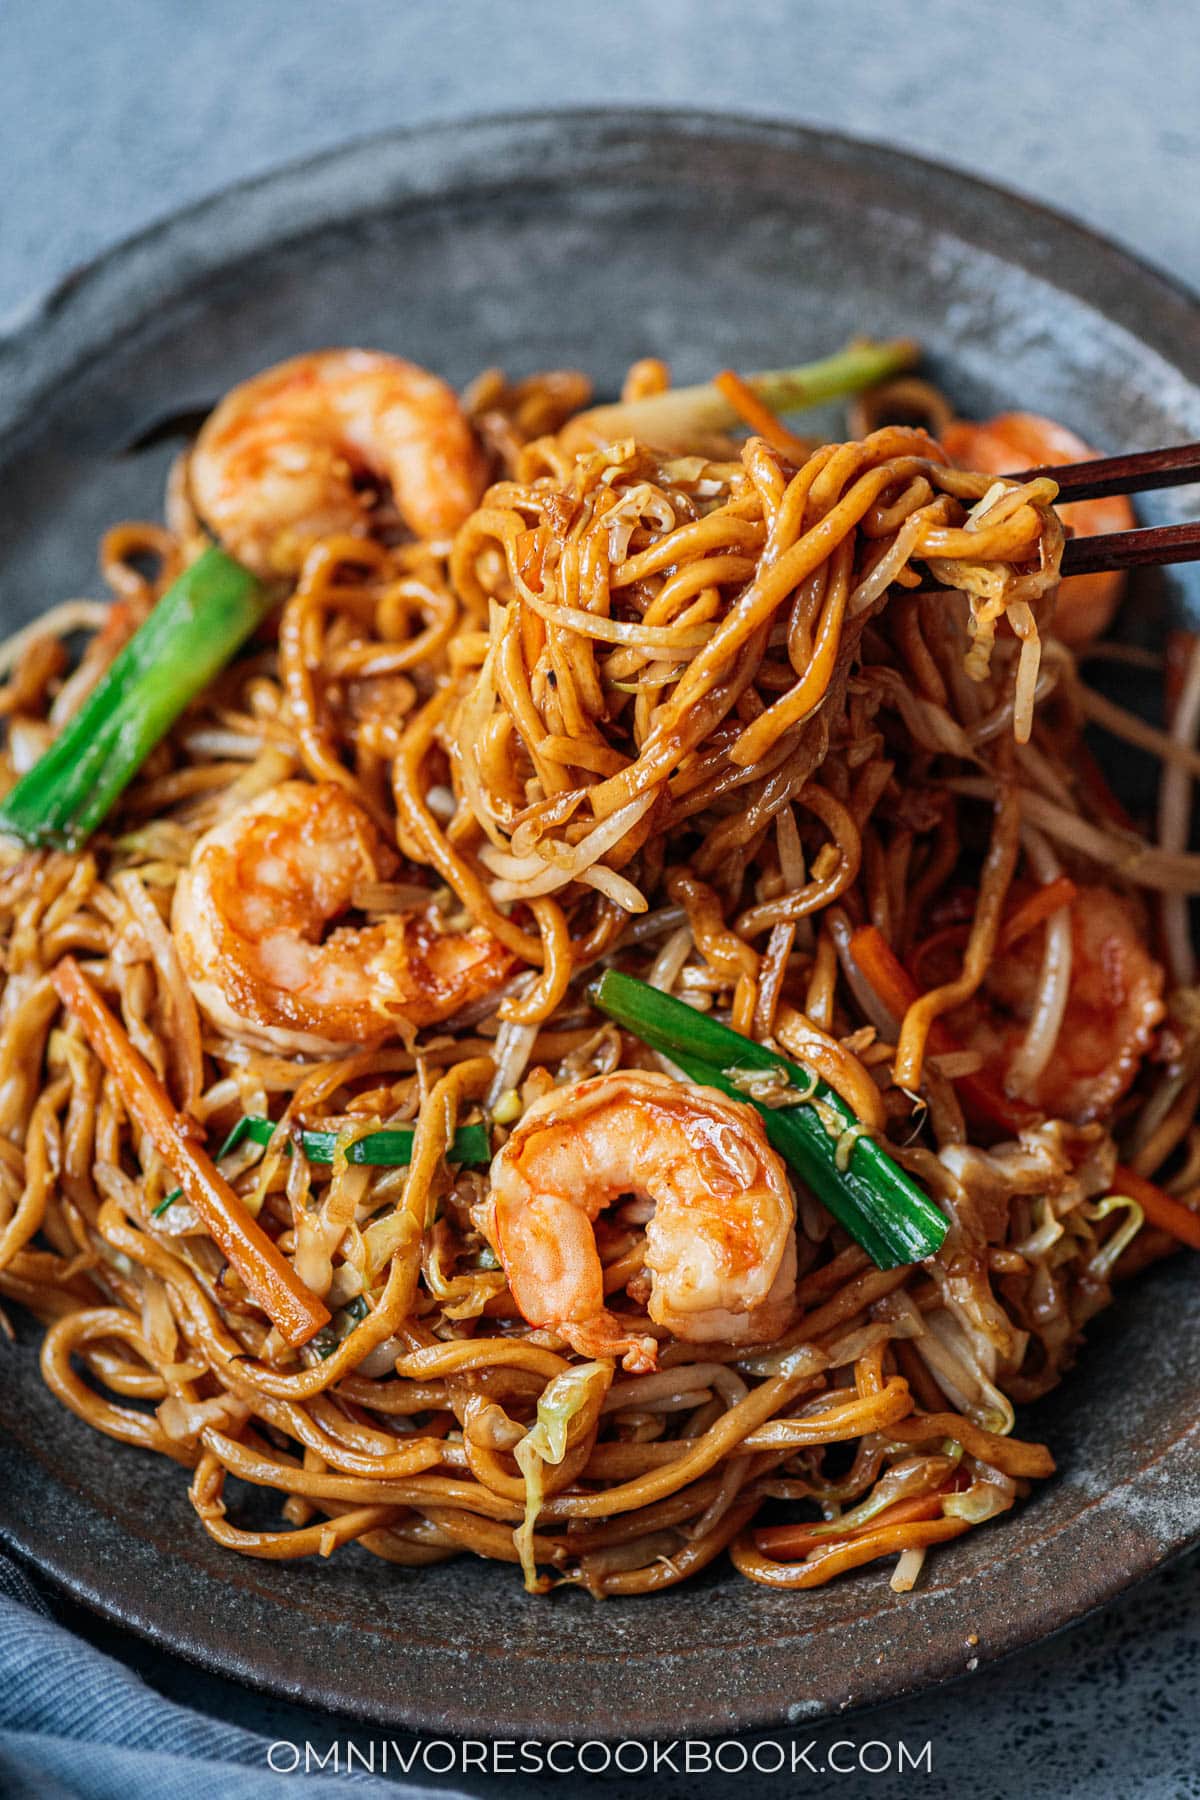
(390, 1149)
(202, 619)
(327, 1340)
(672, 421)
(378, 1150)
(872, 1197)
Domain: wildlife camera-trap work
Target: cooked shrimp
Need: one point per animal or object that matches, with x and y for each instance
(1021, 440)
(280, 461)
(1113, 1005)
(720, 1248)
(251, 918)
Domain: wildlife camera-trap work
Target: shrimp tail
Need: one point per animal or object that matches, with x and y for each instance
(602, 1336)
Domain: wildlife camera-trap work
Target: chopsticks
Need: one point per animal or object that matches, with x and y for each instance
(1137, 473)
(1147, 547)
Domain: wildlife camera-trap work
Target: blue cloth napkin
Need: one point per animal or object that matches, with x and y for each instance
(77, 1725)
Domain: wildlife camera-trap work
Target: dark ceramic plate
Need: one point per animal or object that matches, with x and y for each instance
(591, 240)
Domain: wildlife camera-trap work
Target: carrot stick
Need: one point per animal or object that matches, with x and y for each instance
(1160, 1209)
(892, 982)
(293, 1309)
(897, 990)
(532, 549)
(1048, 899)
(797, 1540)
(759, 417)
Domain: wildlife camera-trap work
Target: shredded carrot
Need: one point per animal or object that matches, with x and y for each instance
(849, 1553)
(897, 990)
(1160, 1209)
(759, 417)
(893, 984)
(1048, 899)
(294, 1310)
(745, 996)
(532, 549)
(799, 1540)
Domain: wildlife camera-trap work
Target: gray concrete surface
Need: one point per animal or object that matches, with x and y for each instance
(117, 111)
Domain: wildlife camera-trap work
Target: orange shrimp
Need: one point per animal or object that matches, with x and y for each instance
(250, 921)
(275, 464)
(1114, 1003)
(1022, 440)
(720, 1247)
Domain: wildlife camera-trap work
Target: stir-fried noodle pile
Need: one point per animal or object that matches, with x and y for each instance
(787, 732)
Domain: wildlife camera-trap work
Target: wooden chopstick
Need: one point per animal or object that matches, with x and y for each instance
(1140, 549)
(1136, 473)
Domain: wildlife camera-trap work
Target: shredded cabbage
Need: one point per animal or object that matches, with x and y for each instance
(982, 1500)
(563, 1399)
(460, 1296)
(915, 1475)
(774, 1088)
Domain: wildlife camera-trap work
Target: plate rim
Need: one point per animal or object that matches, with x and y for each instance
(31, 315)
